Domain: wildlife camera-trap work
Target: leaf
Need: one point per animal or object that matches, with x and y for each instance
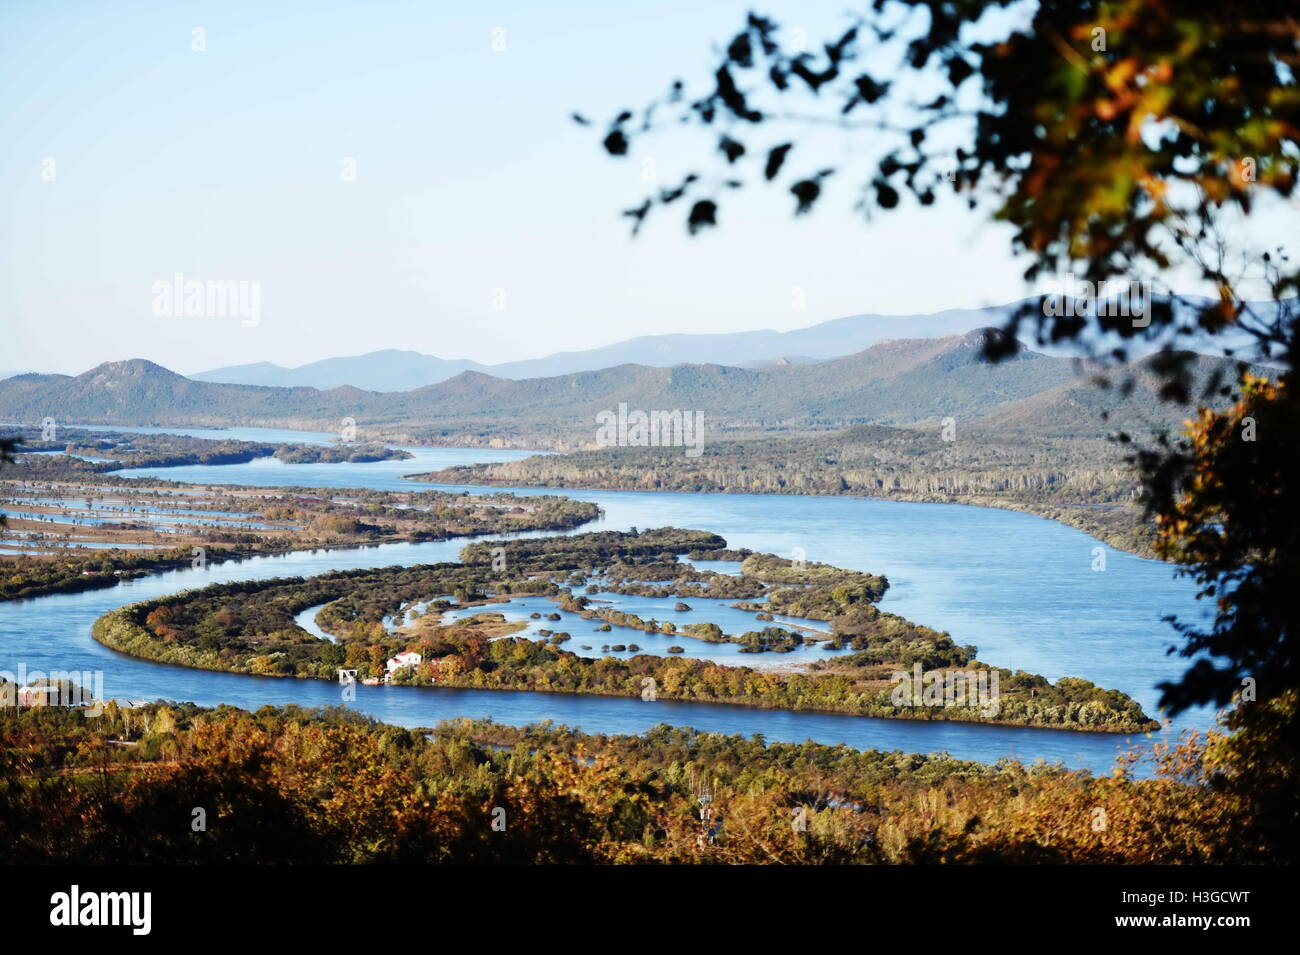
(703, 213)
(616, 143)
(869, 89)
(733, 98)
(806, 192)
(741, 51)
(732, 149)
(775, 159)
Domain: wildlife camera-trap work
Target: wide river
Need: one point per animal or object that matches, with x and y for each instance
(1021, 588)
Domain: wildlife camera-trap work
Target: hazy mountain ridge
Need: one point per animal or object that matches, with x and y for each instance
(390, 369)
(394, 369)
(902, 383)
(397, 370)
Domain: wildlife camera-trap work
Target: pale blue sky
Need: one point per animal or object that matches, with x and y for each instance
(225, 164)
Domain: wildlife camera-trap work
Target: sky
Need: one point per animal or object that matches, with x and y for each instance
(481, 222)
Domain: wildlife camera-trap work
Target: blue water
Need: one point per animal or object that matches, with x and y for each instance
(1021, 588)
(587, 641)
(272, 472)
(43, 545)
(307, 620)
(173, 522)
(380, 475)
(268, 435)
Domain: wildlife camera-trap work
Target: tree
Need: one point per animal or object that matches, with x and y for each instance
(1121, 139)
(1112, 135)
(7, 448)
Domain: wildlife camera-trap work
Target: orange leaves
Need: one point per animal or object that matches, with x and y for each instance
(1118, 78)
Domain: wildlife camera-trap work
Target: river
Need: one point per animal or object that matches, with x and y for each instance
(1021, 588)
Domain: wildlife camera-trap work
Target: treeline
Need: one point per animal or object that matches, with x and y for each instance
(338, 453)
(518, 664)
(317, 519)
(29, 576)
(127, 449)
(593, 549)
(1083, 482)
(677, 579)
(286, 785)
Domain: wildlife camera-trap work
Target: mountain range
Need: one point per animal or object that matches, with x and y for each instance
(396, 370)
(904, 383)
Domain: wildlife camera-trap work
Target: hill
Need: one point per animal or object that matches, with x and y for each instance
(139, 392)
(904, 383)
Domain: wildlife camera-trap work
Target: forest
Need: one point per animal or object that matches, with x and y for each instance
(178, 784)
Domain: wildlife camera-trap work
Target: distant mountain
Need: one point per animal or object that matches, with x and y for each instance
(900, 383)
(395, 370)
(388, 370)
(831, 339)
(1130, 402)
(139, 392)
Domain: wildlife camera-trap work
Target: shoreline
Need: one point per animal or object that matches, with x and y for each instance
(99, 626)
(1045, 511)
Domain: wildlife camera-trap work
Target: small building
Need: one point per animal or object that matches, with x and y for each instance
(408, 659)
(38, 695)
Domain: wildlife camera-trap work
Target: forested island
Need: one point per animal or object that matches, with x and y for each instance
(288, 785)
(101, 451)
(248, 627)
(230, 523)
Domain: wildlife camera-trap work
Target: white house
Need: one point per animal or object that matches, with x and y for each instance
(408, 659)
(38, 695)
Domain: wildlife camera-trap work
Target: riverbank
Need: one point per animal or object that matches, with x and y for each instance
(770, 690)
(87, 535)
(249, 628)
(1084, 481)
(1121, 526)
